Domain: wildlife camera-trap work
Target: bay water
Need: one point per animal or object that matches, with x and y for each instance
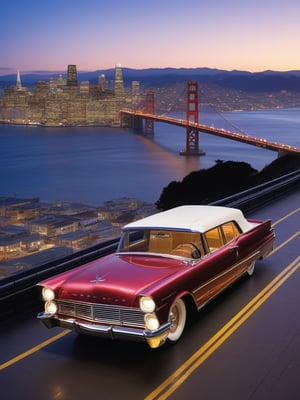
(92, 165)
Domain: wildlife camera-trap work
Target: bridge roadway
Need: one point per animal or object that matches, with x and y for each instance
(244, 345)
(240, 137)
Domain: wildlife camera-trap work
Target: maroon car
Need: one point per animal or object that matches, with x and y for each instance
(166, 265)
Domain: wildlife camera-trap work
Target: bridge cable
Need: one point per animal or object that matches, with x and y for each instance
(221, 115)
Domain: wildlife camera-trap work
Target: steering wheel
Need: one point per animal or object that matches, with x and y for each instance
(189, 250)
(196, 253)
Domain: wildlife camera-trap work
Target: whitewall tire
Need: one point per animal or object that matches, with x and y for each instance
(251, 268)
(177, 318)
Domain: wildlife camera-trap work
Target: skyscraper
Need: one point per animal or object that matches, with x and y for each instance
(72, 75)
(135, 88)
(102, 82)
(119, 84)
(19, 83)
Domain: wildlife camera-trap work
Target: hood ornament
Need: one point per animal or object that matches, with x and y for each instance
(98, 279)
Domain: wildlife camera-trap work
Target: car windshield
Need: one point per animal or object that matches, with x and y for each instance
(172, 242)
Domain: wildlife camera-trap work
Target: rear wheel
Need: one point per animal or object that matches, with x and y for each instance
(177, 318)
(251, 268)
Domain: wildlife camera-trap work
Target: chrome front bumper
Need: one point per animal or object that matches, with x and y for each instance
(153, 338)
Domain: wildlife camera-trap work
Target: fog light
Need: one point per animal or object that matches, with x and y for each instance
(151, 322)
(50, 307)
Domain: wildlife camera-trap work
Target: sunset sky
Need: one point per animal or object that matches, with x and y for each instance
(251, 35)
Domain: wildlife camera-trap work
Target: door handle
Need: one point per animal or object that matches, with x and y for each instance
(236, 249)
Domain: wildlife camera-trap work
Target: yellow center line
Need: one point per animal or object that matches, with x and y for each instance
(163, 391)
(286, 216)
(33, 350)
(285, 243)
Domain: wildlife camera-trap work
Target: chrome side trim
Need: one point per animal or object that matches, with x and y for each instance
(235, 266)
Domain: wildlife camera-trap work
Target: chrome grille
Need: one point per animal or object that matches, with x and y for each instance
(102, 313)
(84, 310)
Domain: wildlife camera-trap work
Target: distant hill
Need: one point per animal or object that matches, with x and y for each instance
(161, 77)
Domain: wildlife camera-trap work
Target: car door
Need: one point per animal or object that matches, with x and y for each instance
(218, 266)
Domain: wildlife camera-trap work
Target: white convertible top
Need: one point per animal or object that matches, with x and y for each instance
(192, 218)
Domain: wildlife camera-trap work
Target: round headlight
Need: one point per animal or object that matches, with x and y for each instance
(151, 322)
(48, 294)
(50, 307)
(147, 304)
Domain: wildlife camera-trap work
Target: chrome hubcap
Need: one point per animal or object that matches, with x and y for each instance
(173, 318)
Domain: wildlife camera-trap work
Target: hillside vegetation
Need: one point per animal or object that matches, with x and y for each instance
(222, 180)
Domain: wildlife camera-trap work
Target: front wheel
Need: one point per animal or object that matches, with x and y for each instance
(251, 268)
(177, 318)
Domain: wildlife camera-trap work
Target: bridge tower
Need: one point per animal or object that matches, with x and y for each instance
(149, 109)
(192, 115)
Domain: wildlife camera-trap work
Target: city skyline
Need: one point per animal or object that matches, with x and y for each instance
(253, 36)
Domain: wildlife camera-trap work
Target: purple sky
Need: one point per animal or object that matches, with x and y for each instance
(251, 35)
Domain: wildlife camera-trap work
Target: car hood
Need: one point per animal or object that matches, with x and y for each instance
(115, 279)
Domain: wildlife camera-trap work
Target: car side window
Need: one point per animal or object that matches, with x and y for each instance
(230, 231)
(214, 239)
(133, 241)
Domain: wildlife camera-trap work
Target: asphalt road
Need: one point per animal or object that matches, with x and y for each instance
(244, 345)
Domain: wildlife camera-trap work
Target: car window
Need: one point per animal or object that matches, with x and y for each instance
(230, 231)
(161, 241)
(214, 239)
(135, 240)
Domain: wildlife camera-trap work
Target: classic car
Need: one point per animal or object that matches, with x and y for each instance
(166, 266)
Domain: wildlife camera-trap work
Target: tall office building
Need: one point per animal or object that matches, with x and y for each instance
(102, 83)
(119, 84)
(61, 81)
(72, 75)
(135, 88)
(19, 83)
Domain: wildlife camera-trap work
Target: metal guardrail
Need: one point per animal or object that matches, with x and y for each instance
(247, 200)
(24, 280)
(256, 197)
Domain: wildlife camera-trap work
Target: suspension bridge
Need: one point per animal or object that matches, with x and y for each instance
(144, 118)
